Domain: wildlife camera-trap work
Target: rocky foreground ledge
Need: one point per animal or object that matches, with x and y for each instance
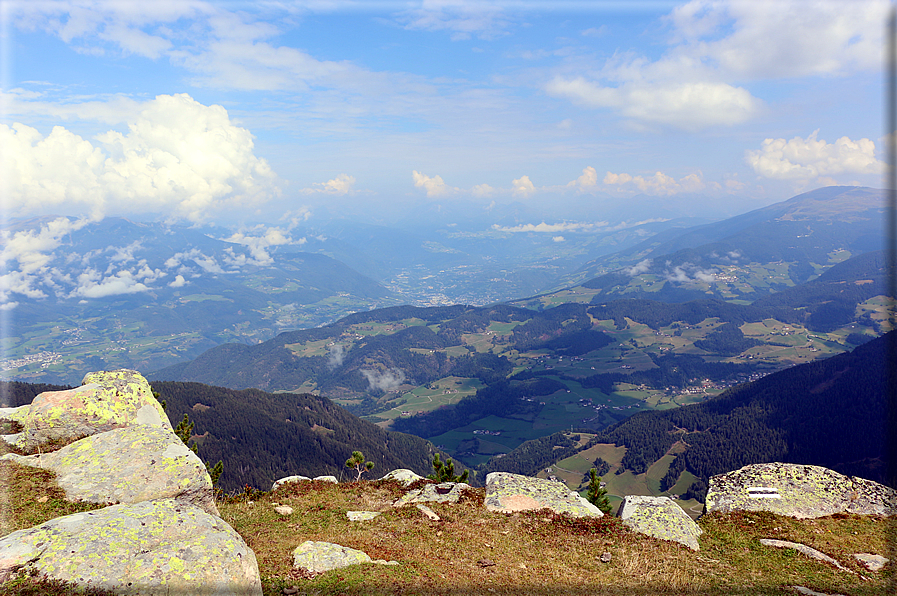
(162, 533)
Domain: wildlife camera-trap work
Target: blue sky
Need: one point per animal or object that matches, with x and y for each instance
(245, 112)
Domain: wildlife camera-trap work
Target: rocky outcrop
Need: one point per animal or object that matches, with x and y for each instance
(128, 465)
(104, 401)
(507, 493)
(154, 547)
(164, 536)
(660, 517)
(445, 492)
(798, 491)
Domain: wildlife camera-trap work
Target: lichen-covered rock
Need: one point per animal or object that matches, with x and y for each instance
(128, 465)
(104, 401)
(403, 475)
(446, 492)
(154, 547)
(660, 517)
(288, 480)
(799, 491)
(362, 515)
(507, 493)
(331, 479)
(319, 557)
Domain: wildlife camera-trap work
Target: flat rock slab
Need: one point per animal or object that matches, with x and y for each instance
(798, 491)
(150, 548)
(447, 492)
(403, 475)
(128, 465)
(660, 517)
(104, 401)
(871, 561)
(427, 511)
(508, 493)
(805, 550)
(362, 515)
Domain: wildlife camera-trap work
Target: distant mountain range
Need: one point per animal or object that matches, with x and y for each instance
(744, 257)
(84, 295)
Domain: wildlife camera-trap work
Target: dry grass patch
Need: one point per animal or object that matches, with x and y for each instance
(473, 551)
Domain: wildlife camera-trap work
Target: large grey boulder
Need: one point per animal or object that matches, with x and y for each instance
(446, 492)
(128, 465)
(507, 493)
(104, 401)
(660, 517)
(154, 547)
(799, 491)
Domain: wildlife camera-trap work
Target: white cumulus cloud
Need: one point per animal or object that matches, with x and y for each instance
(588, 180)
(178, 157)
(341, 185)
(523, 187)
(435, 186)
(812, 158)
(659, 184)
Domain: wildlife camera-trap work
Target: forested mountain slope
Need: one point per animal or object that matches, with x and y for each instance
(831, 413)
(261, 437)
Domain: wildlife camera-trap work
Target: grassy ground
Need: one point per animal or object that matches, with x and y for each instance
(473, 551)
(542, 553)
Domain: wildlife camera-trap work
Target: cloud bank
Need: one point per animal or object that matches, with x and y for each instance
(811, 158)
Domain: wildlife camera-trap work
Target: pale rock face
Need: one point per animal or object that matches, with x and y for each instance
(105, 401)
(660, 517)
(128, 465)
(150, 548)
(287, 480)
(507, 493)
(799, 491)
(403, 475)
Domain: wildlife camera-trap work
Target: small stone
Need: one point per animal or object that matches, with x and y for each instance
(284, 510)
(871, 562)
(486, 563)
(43, 499)
(291, 590)
(428, 512)
(605, 557)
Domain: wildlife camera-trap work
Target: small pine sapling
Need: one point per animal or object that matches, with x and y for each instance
(597, 494)
(184, 430)
(445, 471)
(357, 463)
